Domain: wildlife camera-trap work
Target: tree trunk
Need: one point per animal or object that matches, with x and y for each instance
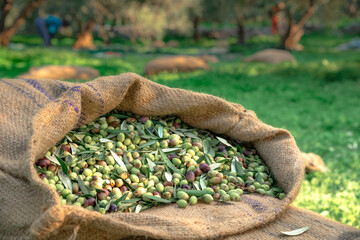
(290, 40)
(196, 21)
(240, 33)
(6, 34)
(240, 20)
(5, 9)
(85, 37)
(5, 38)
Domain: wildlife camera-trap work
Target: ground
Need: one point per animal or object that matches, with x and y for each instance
(317, 99)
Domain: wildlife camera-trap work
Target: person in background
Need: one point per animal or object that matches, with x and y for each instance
(48, 27)
(274, 19)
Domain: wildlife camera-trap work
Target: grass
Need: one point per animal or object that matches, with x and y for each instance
(317, 99)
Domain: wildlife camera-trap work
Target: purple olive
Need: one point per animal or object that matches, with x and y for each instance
(246, 153)
(221, 148)
(66, 148)
(114, 124)
(168, 183)
(42, 175)
(144, 119)
(113, 208)
(43, 162)
(89, 202)
(184, 186)
(156, 193)
(123, 188)
(190, 176)
(198, 172)
(204, 167)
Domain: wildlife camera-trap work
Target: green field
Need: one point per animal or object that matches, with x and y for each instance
(317, 99)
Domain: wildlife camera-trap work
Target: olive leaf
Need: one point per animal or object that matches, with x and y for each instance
(151, 164)
(175, 191)
(200, 159)
(105, 140)
(169, 163)
(238, 167)
(39, 169)
(86, 152)
(168, 176)
(207, 148)
(118, 160)
(65, 180)
(138, 208)
(296, 231)
(224, 141)
(214, 166)
(96, 203)
(131, 200)
(149, 143)
(86, 157)
(191, 135)
(107, 206)
(207, 159)
(160, 132)
(53, 159)
(73, 148)
(117, 131)
(122, 198)
(259, 178)
(82, 186)
(214, 142)
(202, 182)
(158, 199)
(123, 125)
(178, 133)
(79, 136)
(140, 128)
(239, 148)
(68, 138)
(111, 135)
(91, 147)
(121, 116)
(167, 150)
(64, 166)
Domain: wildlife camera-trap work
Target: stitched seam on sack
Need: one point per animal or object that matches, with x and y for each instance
(23, 92)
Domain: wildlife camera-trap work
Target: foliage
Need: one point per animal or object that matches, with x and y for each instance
(321, 113)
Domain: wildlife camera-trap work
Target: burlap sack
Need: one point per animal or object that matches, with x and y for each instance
(35, 114)
(294, 218)
(313, 162)
(61, 72)
(175, 64)
(270, 56)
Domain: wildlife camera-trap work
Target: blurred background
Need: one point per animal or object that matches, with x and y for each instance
(295, 63)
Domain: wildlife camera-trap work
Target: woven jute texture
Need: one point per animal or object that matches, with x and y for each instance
(36, 114)
(177, 64)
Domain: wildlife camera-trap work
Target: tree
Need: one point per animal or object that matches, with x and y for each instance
(246, 10)
(295, 28)
(195, 11)
(234, 11)
(6, 32)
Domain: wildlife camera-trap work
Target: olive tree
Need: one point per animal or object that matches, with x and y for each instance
(22, 9)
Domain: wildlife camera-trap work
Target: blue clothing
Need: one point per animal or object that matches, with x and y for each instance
(47, 28)
(40, 24)
(53, 23)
